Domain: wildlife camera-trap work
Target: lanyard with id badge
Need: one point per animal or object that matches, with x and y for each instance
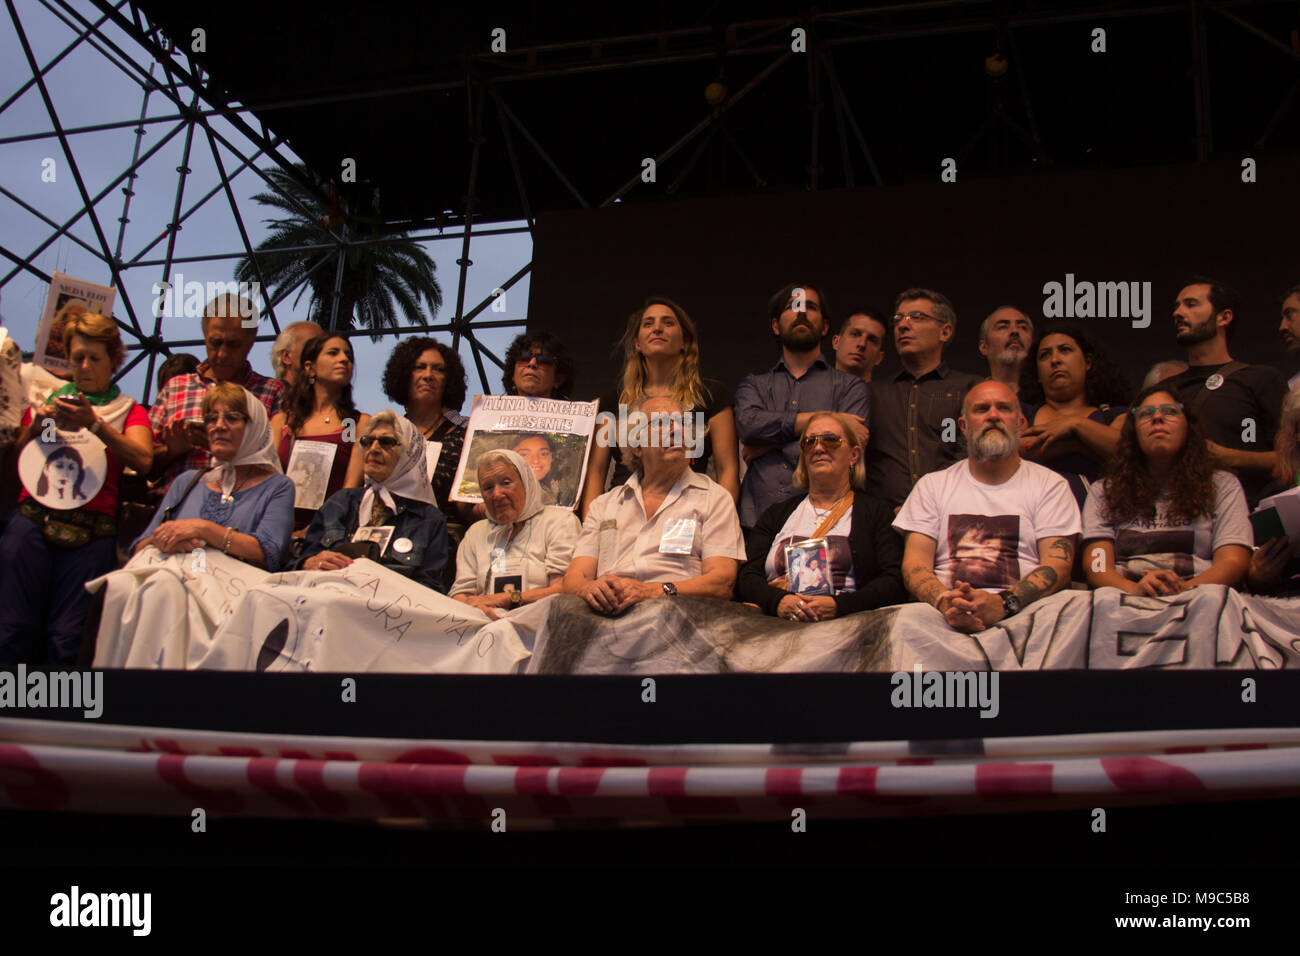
(504, 574)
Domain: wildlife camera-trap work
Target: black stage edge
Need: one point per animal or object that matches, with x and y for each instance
(793, 709)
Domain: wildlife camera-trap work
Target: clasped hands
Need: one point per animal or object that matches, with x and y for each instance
(611, 594)
(1160, 583)
(806, 607)
(172, 537)
(970, 609)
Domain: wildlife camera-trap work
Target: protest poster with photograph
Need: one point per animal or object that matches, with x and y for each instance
(310, 463)
(64, 473)
(808, 567)
(551, 435)
(68, 297)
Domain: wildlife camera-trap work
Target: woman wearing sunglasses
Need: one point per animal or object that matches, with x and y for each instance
(1164, 519)
(538, 365)
(394, 518)
(865, 552)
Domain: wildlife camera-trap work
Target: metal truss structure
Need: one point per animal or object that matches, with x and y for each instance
(181, 81)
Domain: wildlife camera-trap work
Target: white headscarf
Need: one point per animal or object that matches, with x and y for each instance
(534, 500)
(410, 476)
(256, 448)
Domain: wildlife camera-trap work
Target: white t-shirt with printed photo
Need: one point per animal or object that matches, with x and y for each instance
(987, 535)
(1187, 549)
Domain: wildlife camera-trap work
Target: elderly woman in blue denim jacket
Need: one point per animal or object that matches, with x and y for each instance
(395, 509)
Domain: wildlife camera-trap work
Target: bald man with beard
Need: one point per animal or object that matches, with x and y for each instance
(992, 534)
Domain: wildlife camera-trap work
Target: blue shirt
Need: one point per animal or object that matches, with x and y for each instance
(767, 404)
(265, 511)
(418, 522)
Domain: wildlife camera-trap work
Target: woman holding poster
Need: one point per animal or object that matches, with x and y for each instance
(396, 510)
(73, 451)
(832, 551)
(318, 426)
(661, 357)
(519, 552)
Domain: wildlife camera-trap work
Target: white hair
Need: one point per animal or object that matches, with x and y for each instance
(284, 341)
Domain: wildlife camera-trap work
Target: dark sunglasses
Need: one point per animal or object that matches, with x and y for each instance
(543, 358)
(830, 441)
(387, 442)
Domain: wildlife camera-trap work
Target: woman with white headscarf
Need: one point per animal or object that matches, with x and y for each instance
(242, 506)
(518, 553)
(395, 512)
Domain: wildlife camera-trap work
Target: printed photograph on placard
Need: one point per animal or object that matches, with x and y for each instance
(552, 437)
(380, 535)
(65, 473)
(310, 463)
(808, 567)
(67, 298)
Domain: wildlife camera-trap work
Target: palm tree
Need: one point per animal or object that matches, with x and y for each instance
(383, 282)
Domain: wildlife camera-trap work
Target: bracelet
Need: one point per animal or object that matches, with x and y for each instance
(225, 548)
(95, 427)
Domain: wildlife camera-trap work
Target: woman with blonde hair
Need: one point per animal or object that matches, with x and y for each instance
(865, 553)
(56, 542)
(661, 358)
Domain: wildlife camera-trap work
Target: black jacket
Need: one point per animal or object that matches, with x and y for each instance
(877, 557)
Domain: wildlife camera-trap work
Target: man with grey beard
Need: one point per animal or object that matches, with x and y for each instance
(1005, 338)
(990, 535)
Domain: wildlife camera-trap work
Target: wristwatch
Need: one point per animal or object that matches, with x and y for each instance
(1010, 603)
(95, 426)
(670, 589)
(516, 597)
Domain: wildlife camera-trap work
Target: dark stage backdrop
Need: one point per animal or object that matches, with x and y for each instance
(981, 243)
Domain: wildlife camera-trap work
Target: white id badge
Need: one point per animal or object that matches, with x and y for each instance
(679, 536)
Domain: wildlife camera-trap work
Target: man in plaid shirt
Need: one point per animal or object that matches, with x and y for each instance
(180, 438)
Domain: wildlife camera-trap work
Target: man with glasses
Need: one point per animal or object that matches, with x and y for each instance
(772, 408)
(1237, 406)
(537, 364)
(229, 326)
(915, 411)
(991, 535)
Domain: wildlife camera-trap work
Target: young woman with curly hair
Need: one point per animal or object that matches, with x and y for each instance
(1164, 519)
(1074, 399)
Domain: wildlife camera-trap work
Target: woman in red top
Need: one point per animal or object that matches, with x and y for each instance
(318, 408)
(65, 531)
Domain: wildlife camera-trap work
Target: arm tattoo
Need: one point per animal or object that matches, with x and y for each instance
(1063, 549)
(923, 584)
(1036, 584)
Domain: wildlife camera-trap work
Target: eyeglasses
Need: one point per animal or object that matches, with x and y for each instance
(543, 358)
(1144, 413)
(386, 442)
(912, 317)
(231, 418)
(831, 442)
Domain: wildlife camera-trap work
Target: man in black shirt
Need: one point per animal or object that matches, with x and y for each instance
(1237, 405)
(914, 412)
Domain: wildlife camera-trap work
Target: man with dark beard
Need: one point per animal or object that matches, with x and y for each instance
(1237, 405)
(990, 535)
(773, 407)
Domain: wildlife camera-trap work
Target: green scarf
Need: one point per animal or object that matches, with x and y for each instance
(95, 398)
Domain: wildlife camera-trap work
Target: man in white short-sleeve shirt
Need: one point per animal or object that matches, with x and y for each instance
(990, 535)
(669, 530)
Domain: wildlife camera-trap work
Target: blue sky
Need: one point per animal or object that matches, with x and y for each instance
(86, 89)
